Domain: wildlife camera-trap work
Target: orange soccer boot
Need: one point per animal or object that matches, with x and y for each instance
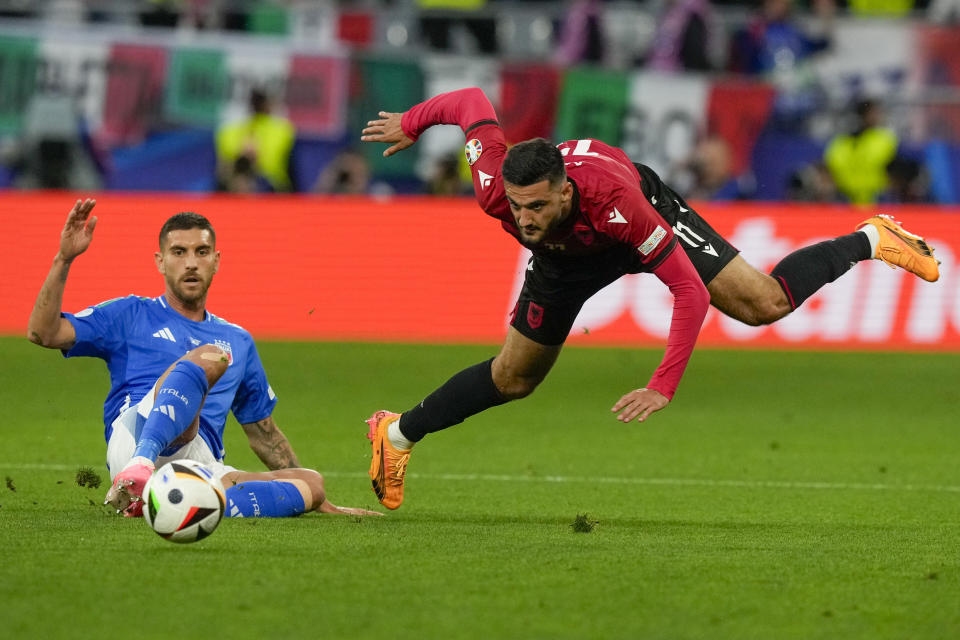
(389, 465)
(900, 248)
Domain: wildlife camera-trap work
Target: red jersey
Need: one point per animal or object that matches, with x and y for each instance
(608, 209)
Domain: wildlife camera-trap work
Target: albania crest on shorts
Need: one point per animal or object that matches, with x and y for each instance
(534, 315)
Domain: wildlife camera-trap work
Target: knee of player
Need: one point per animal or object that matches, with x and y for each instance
(212, 359)
(516, 387)
(315, 483)
(769, 309)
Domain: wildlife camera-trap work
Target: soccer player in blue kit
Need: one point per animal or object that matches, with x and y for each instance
(176, 370)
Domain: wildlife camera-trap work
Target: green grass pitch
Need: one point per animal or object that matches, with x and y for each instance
(782, 495)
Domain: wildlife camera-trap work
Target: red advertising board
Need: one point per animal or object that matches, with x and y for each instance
(439, 270)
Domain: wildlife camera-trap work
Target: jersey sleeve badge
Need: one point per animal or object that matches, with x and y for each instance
(647, 247)
(472, 150)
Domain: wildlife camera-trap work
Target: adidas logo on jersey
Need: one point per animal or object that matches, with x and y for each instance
(165, 334)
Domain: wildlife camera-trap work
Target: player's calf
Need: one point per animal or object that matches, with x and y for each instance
(266, 499)
(176, 406)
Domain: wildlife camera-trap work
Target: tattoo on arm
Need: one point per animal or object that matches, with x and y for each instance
(45, 323)
(270, 445)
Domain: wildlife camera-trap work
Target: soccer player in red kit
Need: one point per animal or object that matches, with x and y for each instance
(589, 215)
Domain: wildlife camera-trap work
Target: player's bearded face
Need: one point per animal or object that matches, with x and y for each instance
(539, 208)
(188, 261)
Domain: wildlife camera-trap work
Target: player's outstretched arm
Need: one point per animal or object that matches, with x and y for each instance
(387, 129)
(690, 302)
(270, 445)
(46, 327)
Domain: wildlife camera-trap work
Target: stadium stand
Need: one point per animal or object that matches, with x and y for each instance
(153, 79)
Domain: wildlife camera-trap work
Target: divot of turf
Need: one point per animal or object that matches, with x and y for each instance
(87, 477)
(583, 524)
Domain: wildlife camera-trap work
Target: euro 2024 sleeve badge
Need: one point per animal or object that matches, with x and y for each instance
(472, 150)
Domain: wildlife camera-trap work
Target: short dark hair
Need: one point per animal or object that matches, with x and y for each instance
(531, 161)
(186, 220)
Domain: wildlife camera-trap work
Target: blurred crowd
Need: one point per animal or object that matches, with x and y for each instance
(862, 162)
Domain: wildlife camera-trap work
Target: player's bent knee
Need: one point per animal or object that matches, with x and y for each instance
(769, 311)
(314, 484)
(514, 388)
(212, 359)
(760, 311)
(264, 499)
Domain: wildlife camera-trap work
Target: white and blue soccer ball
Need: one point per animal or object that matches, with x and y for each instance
(183, 501)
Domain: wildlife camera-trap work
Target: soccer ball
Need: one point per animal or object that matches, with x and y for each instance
(183, 501)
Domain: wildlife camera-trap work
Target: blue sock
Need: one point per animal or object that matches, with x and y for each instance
(177, 404)
(264, 499)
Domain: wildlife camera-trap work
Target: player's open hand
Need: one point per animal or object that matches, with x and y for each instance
(387, 129)
(639, 404)
(78, 230)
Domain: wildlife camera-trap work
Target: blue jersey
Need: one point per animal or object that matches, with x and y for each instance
(140, 337)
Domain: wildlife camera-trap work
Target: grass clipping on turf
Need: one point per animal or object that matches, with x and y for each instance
(583, 524)
(87, 477)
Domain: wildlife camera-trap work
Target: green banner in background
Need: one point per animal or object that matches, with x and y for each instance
(18, 76)
(196, 87)
(384, 85)
(593, 104)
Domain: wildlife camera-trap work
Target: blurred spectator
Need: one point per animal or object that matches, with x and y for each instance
(581, 34)
(202, 14)
(161, 13)
(18, 9)
(944, 11)
(909, 181)
(243, 178)
(265, 139)
(688, 34)
(446, 178)
(52, 152)
(884, 8)
(858, 160)
(347, 174)
(775, 41)
(196, 14)
(709, 173)
(440, 18)
(813, 183)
